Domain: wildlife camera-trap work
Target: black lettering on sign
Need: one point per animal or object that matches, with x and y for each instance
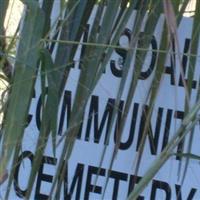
(77, 181)
(144, 75)
(94, 115)
(179, 195)
(29, 115)
(89, 187)
(171, 69)
(167, 128)
(117, 176)
(153, 140)
(25, 155)
(80, 184)
(38, 113)
(160, 185)
(44, 177)
(117, 69)
(134, 180)
(128, 143)
(184, 61)
(98, 123)
(65, 110)
(185, 65)
(179, 115)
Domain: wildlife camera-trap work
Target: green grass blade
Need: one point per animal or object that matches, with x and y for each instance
(187, 155)
(21, 93)
(52, 94)
(4, 64)
(192, 65)
(116, 35)
(76, 29)
(3, 9)
(49, 115)
(47, 8)
(12, 171)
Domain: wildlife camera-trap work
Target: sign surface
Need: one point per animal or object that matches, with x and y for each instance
(83, 164)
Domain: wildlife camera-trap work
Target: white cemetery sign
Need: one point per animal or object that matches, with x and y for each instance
(83, 164)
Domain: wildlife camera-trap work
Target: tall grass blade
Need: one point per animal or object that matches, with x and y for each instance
(4, 64)
(3, 9)
(49, 115)
(76, 27)
(20, 94)
(173, 37)
(192, 66)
